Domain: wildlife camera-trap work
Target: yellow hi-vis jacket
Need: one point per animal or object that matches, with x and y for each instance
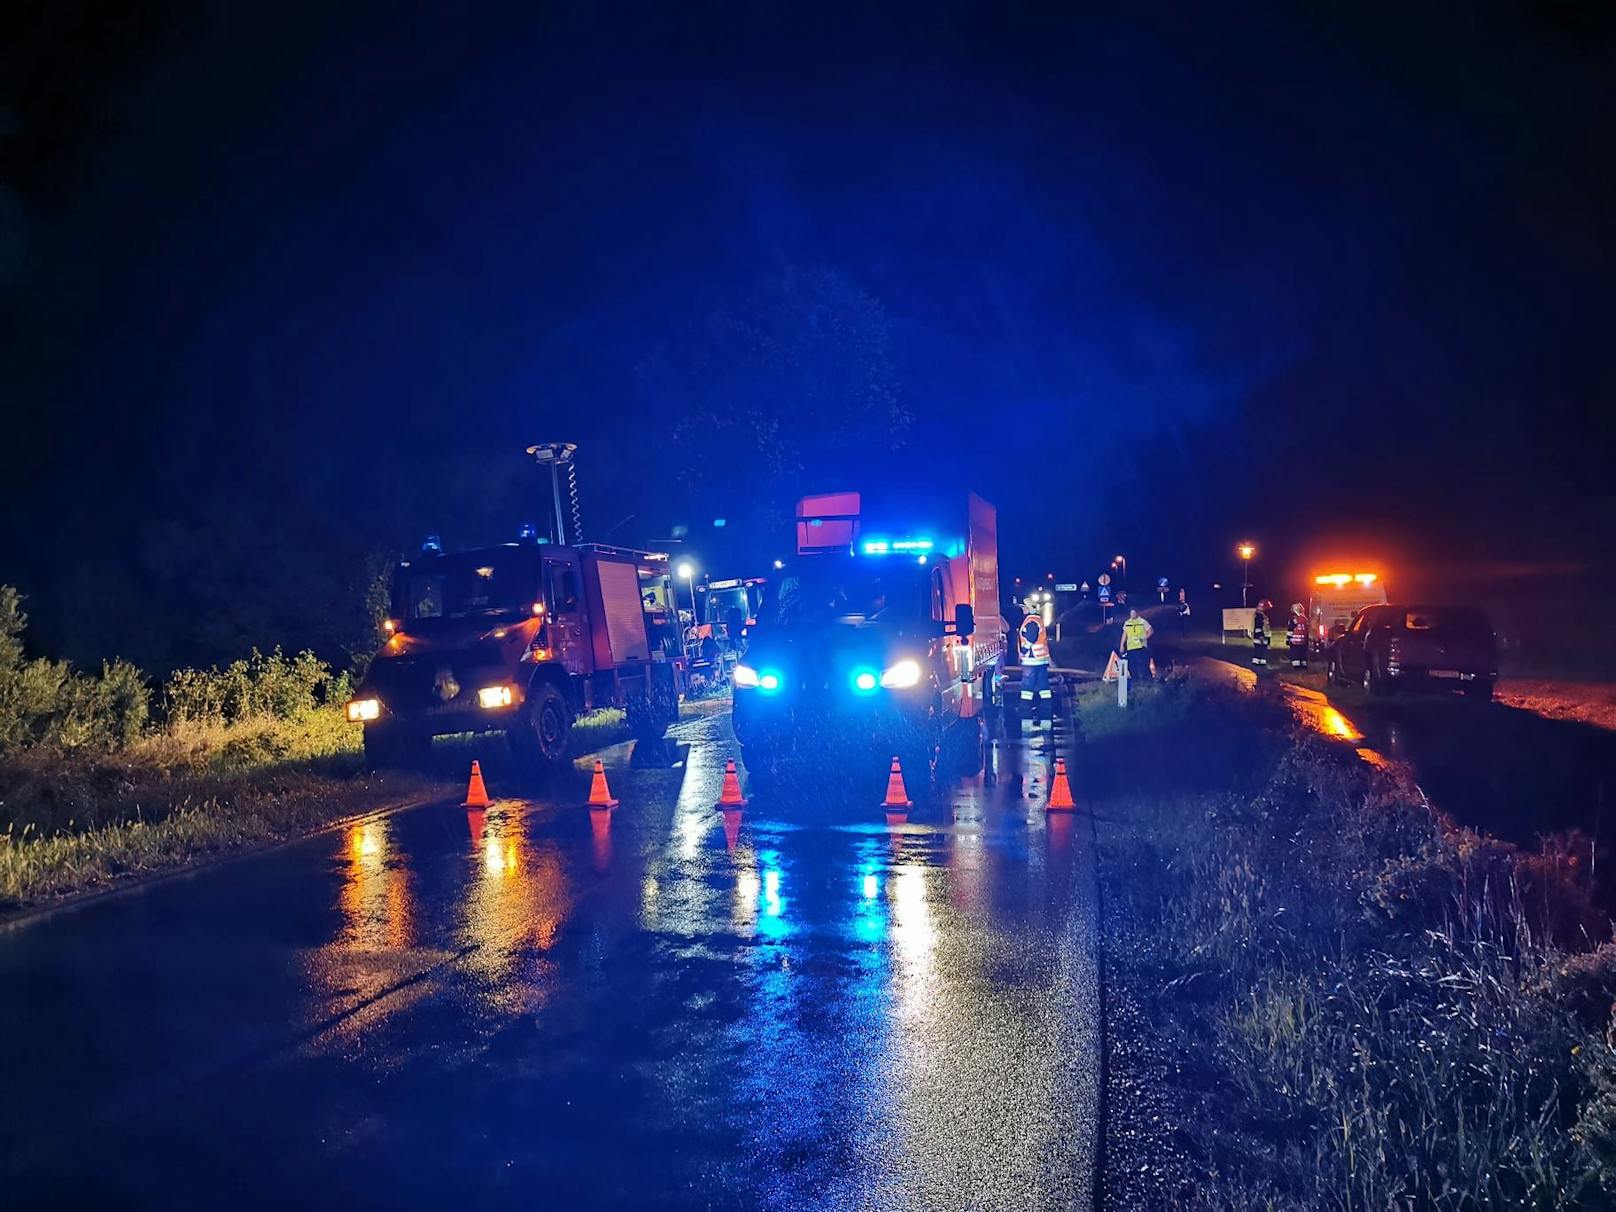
(1134, 635)
(1034, 647)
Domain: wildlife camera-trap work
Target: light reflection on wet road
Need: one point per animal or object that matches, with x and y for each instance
(540, 1004)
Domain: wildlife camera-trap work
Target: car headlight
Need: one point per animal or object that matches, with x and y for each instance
(744, 676)
(360, 710)
(490, 697)
(904, 674)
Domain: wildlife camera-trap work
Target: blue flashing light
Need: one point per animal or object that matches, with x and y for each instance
(720, 523)
(907, 546)
(865, 681)
(528, 533)
(768, 681)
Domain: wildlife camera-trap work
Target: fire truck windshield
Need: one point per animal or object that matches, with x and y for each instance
(468, 584)
(830, 588)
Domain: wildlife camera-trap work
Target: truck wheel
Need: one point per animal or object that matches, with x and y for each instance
(395, 748)
(647, 718)
(963, 745)
(1373, 684)
(544, 731)
(762, 765)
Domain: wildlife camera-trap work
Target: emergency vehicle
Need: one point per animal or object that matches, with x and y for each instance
(522, 638)
(729, 607)
(883, 633)
(1336, 599)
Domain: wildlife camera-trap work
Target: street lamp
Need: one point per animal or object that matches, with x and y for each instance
(1120, 563)
(1247, 550)
(687, 571)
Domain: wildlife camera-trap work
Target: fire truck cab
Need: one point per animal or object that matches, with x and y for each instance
(521, 638)
(875, 635)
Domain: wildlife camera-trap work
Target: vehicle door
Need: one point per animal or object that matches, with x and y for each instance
(1350, 647)
(565, 633)
(945, 650)
(1378, 627)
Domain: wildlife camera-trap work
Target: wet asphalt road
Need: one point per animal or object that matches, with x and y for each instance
(539, 1008)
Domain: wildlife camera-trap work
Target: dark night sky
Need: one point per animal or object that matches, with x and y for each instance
(285, 289)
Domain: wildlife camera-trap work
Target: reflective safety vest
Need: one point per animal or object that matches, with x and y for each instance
(1034, 647)
(1133, 635)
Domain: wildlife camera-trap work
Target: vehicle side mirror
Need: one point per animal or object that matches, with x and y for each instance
(964, 619)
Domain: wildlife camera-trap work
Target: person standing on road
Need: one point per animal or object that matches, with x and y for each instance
(1259, 635)
(1183, 613)
(1296, 636)
(1033, 648)
(1134, 647)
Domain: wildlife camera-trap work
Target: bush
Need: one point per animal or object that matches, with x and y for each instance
(261, 687)
(45, 703)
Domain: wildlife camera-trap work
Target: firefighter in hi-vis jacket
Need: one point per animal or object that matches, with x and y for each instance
(1296, 636)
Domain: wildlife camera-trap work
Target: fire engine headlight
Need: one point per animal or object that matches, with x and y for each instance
(904, 674)
(744, 677)
(490, 697)
(360, 710)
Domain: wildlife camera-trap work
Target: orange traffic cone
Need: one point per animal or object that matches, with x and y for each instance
(476, 793)
(1060, 791)
(599, 795)
(897, 801)
(731, 797)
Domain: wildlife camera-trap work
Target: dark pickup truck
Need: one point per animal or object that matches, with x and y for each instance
(1396, 647)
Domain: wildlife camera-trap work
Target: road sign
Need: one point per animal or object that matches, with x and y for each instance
(1066, 587)
(1161, 582)
(1105, 593)
(1105, 578)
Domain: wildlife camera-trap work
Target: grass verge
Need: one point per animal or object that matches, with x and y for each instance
(1332, 998)
(73, 822)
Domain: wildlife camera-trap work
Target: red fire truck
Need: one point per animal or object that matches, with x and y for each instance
(521, 638)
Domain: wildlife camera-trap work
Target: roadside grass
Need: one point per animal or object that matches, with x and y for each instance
(80, 820)
(1355, 1004)
(73, 821)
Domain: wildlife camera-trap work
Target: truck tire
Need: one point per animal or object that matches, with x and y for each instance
(543, 732)
(962, 744)
(762, 765)
(647, 717)
(390, 747)
(1374, 685)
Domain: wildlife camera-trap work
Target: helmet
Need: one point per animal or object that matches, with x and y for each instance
(1297, 607)
(1265, 604)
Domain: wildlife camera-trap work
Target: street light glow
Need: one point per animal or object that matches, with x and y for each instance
(1247, 550)
(686, 569)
